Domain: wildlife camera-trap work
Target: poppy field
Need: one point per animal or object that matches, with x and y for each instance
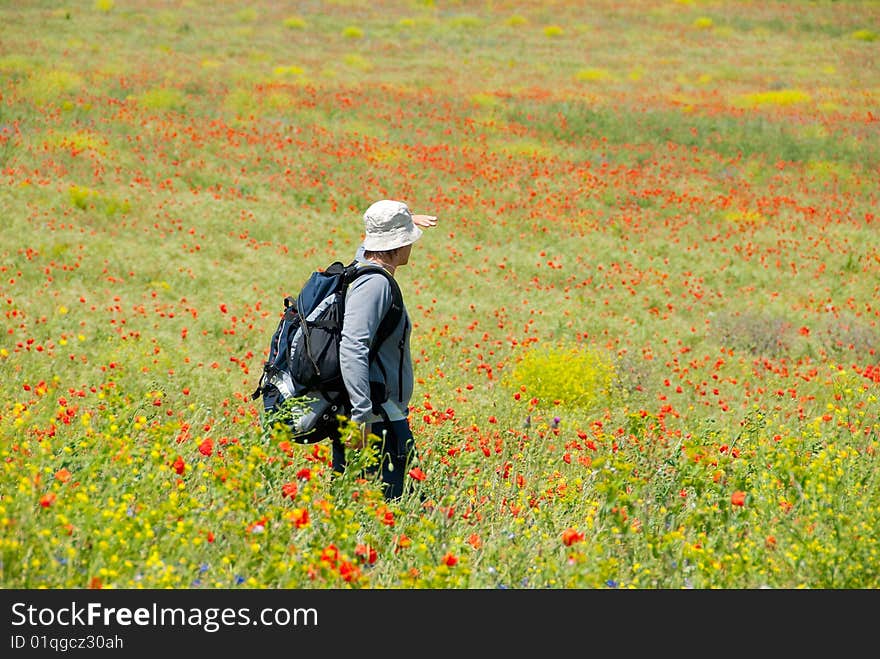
(645, 328)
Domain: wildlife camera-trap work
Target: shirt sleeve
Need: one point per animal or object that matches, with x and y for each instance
(367, 300)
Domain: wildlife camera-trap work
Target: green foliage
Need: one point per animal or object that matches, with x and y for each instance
(15, 66)
(295, 23)
(864, 35)
(84, 198)
(353, 32)
(53, 85)
(592, 75)
(465, 22)
(162, 98)
(576, 377)
(776, 97)
(246, 15)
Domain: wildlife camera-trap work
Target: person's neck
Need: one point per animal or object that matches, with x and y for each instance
(390, 267)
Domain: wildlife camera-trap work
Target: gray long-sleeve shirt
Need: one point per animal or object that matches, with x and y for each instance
(367, 300)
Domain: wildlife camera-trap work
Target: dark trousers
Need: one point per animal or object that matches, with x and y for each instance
(395, 454)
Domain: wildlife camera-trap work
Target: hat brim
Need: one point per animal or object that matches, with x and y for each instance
(399, 237)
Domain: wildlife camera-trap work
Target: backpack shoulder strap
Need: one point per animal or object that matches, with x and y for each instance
(395, 312)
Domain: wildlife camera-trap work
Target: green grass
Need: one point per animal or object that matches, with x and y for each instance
(749, 137)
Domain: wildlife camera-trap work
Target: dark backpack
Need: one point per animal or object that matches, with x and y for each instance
(301, 384)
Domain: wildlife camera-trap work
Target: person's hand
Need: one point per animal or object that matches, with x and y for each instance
(425, 220)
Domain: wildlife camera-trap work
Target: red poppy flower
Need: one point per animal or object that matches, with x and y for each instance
(417, 474)
(47, 499)
(179, 465)
(289, 489)
(571, 536)
(385, 516)
(450, 559)
(62, 475)
(206, 448)
(738, 498)
(349, 571)
(366, 553)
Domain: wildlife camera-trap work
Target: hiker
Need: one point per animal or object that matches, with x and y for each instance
(390, 231)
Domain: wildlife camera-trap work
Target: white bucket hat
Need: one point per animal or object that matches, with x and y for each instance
(388, 225)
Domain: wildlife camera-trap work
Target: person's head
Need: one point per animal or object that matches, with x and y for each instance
(389, 232)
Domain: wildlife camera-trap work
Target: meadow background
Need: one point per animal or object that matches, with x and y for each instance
(645, 327)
